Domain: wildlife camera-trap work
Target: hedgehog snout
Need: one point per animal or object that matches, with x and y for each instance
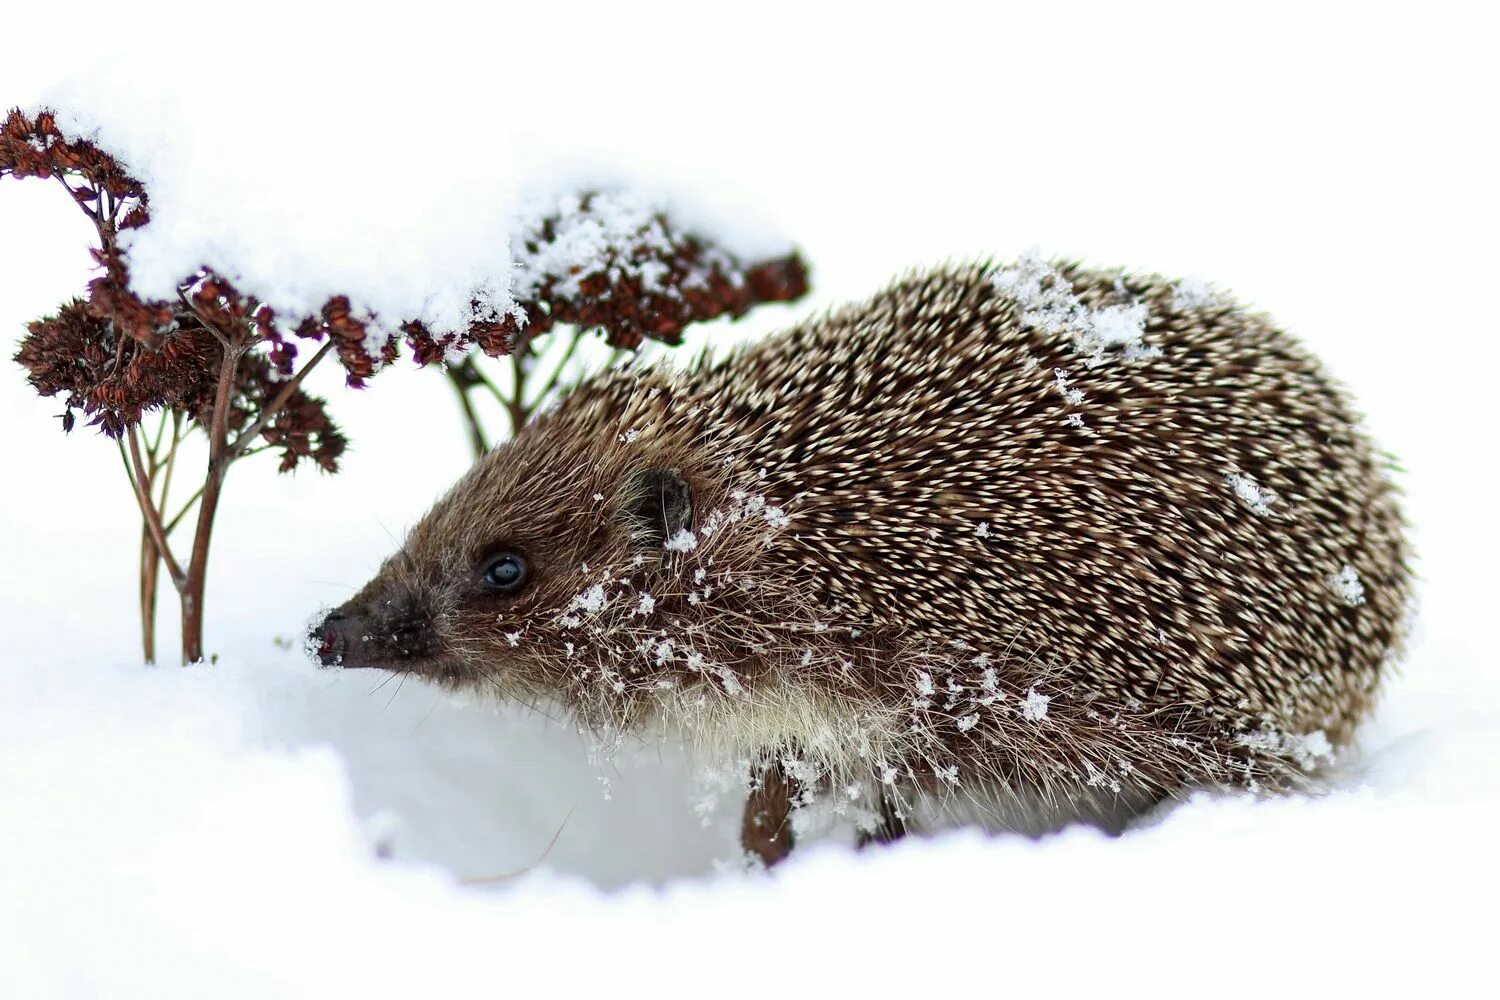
(327, 639)
(395, 635)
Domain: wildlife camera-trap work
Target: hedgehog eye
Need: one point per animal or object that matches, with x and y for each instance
(504, 573)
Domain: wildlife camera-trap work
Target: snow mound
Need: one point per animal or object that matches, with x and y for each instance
(175, 823)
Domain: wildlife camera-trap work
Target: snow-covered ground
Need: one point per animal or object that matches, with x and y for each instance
(260, 828)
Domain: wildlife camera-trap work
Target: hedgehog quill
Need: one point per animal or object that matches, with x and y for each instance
(1024, 545)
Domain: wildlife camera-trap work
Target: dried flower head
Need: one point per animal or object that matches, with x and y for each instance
(613, 262)
(114, 380)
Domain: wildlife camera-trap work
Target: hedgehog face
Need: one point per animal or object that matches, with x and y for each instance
(477, 589)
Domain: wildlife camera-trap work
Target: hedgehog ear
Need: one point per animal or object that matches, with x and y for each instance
(659, 504)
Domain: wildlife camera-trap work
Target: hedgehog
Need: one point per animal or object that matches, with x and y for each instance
(1022, 545)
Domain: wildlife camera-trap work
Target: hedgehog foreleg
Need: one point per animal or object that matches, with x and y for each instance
(766, 830)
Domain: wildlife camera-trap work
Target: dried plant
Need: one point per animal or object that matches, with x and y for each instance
(221, 361)
(610, 264)
(214, 359)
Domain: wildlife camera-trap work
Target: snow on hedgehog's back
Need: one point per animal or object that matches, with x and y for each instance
(1025, 545)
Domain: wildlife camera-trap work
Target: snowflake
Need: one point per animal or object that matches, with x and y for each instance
(731, 683)
(1346, 584)
(683, 541)
(1034, 706)
(1046, 301)
(1193, 293)
(591, 600)
(1253, 495)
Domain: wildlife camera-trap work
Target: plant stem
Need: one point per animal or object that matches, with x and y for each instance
(169, 465)
(161, 429)
(463, 378)
(149, 560)
(515, 404)
(150, 573)
(177, 518)
(149, 513)
(269, 411)
(220, 454)
(556, 375)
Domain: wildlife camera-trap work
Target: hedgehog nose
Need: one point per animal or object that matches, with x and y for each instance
(328, 640)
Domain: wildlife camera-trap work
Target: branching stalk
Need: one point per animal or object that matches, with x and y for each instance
(192, 589)
(268, 413)
(138, 481)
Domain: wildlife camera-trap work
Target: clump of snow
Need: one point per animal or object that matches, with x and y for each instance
(1194, 293)
(1119, 325)
(1048, 303)
(1064, 386)
(1347, 585)
(730, 681)
(1308, 749)
(342, 193)
(311, 647)
(1034, 705)
(925, 688)
(591, 600)
(574, 240)
(682, 541)
(1315, 746)
(1253, 495)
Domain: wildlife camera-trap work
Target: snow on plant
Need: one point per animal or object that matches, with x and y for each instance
(611, 262)
(218, 359)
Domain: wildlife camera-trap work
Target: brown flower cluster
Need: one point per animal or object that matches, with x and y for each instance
(115, 355)
(114, 381)
(299, 428)
(651, 282)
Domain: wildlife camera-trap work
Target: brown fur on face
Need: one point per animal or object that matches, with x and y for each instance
(565, 495)
(922, 550)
